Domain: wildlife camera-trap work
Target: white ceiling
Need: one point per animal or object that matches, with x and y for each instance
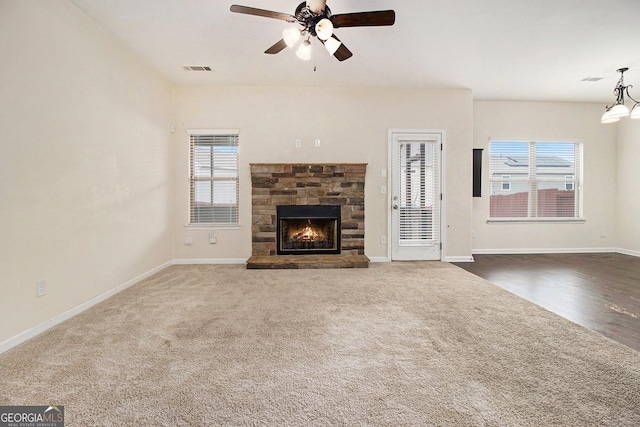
(501, 49)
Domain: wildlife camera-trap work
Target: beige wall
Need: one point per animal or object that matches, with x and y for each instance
(85, 183)
(550, 120)
(352, 124)
(628, 176)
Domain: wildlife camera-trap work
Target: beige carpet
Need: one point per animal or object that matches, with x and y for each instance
(395, 344)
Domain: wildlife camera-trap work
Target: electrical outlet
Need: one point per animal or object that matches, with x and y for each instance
(41, 287)
(603, 233)
(383, 240)
(317, 142)
(298, 143)
(188, 241)
(212, 238)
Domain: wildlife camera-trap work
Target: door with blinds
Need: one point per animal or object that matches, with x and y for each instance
(415, 196)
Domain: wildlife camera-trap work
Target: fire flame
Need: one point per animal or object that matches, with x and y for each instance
(307, 234)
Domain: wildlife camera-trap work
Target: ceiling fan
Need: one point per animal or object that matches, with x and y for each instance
(316, 20)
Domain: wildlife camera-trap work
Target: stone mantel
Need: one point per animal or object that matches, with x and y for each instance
(274, 184)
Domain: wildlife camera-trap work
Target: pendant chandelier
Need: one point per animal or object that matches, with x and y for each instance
(618, 110)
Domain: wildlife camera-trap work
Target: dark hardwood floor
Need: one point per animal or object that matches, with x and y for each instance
(598, 291)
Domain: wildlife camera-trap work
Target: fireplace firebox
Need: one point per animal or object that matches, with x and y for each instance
(308, 229)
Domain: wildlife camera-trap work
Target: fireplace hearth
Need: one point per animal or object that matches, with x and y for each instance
(308, 229)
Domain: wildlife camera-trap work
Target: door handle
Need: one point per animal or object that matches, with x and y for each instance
(395, 206)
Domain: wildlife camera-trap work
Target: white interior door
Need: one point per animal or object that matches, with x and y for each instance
(415, 196)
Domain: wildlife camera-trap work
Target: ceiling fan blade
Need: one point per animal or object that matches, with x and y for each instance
(364, 19)
(261, 12)
(342, 52)
(276, 48)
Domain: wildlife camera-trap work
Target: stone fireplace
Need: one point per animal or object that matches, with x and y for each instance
(307, 215)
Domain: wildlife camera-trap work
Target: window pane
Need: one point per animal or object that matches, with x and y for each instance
(201, 193)
(555, 163)
(509, 169)
(512, 203)
(202, 161)
(417, 197)
(224, 193)
(554, 201)
(507, 157)
(555, 160)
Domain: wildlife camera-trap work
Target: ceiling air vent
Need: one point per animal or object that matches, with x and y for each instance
(592, 79)
(196, 68)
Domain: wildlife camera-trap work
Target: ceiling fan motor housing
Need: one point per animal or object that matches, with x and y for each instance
(309, 19)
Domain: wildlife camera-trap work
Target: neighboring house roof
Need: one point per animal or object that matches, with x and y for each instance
(517, 165)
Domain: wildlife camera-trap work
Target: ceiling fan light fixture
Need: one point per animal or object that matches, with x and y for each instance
(304, 51)
(324, 29)
(332, 46)
(291, 36)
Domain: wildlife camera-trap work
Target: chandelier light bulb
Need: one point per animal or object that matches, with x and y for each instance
(324, 29)
(304, 51)
(291, 36)
(635, 112)
(619, 110)
(606, 118)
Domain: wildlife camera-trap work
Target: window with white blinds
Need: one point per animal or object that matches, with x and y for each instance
(535, 180)
(213, 177)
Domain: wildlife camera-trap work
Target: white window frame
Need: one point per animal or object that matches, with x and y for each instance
(212, 133)
(577, 180)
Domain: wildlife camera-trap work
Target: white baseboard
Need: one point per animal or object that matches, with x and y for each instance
(37, 330)
(446, 259)
(628, 252)
(543, 251)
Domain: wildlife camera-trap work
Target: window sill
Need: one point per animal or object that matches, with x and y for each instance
(212, 227)
(536, 220)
